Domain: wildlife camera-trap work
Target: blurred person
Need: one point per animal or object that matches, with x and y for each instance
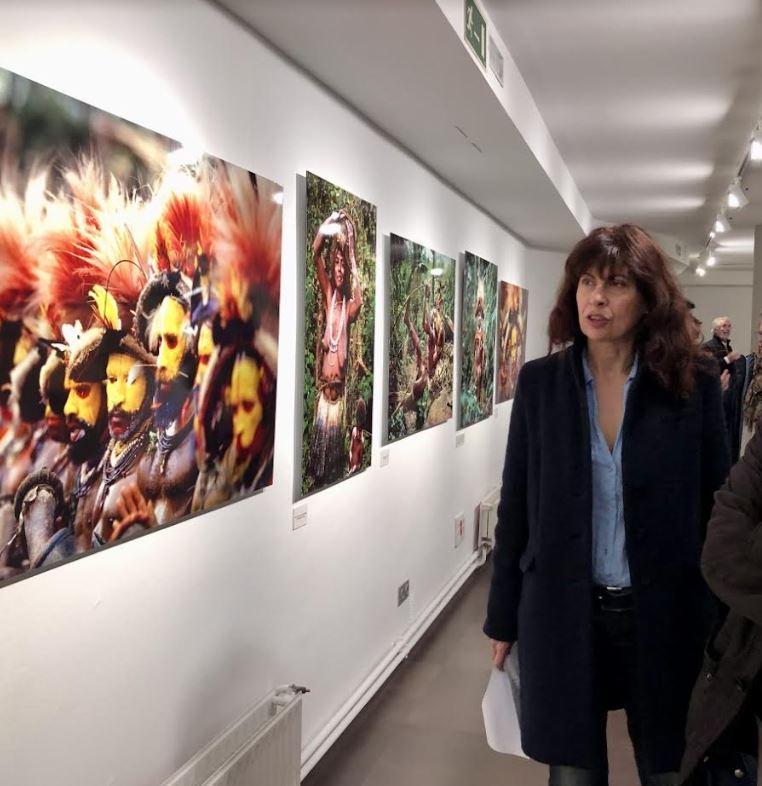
(615, 449)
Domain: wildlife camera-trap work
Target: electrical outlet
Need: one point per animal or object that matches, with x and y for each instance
(460, 528)
(460, 439)
(299, 517)
(385, 458)
(402, 592)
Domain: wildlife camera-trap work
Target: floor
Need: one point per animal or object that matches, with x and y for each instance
(424, 727)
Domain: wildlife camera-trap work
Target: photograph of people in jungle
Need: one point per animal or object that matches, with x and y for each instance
(478, 318)
(139, 300)
(421, 334)
(340, 290)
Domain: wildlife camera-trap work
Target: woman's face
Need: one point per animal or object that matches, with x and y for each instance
(609, 305)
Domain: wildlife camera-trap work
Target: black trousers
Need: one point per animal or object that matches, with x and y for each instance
(615, 667)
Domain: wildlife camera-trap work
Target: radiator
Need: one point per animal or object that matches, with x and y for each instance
(262, 748)
(487, 521)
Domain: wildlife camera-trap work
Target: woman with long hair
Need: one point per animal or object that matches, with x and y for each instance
(615, 449)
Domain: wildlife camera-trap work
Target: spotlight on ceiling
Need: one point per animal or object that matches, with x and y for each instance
(755, 151)
(721, 224)
(711, 260)
(700, 272)
(736, 195)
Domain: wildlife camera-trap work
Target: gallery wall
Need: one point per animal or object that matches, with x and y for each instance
(118, 667)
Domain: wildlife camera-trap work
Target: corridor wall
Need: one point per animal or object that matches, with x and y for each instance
(117, 668)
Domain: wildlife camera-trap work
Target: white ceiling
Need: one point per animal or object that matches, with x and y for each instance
(650, 102)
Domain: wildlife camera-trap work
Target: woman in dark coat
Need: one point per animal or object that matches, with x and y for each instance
(616, 447)
(728, 693)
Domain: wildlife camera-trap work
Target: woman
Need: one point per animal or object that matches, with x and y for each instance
(615, 449)
(721, 736)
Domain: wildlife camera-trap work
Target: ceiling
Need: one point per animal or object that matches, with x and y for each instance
(650, 104)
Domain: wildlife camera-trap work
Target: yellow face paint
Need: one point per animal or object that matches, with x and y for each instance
(84, 401)
(205, 349)
(23, 346)
(125, 383)
(245, 402)
(171, 323)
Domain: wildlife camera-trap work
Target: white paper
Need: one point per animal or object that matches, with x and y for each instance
(500, 707)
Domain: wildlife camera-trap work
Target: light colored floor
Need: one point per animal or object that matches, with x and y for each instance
(424, 727)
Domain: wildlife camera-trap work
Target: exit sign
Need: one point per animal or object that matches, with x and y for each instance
(476, 31)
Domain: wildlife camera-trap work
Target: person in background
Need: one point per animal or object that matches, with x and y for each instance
(721, 736)
(752, 397)
(616, 447)
(734, 364)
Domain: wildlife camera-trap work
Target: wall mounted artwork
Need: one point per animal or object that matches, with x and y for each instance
(139, 301)
(340, 301)
(421, 335)
(477, 336)
(511, 339)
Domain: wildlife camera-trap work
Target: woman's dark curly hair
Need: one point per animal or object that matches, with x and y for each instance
(662, 339)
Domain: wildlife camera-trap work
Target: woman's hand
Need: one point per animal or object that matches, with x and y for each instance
(500, 650)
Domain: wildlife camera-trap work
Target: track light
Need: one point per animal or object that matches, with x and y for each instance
(755, 151)
(700, 272)
(736, 196)
(721, 224)
(711, 260)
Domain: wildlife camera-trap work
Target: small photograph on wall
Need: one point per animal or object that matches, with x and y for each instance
(511, 339)
(139, 312)
(478, 328)
(421, 335)
(340, 300)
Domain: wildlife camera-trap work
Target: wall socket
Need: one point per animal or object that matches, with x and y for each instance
(460, 528)
(402, 592)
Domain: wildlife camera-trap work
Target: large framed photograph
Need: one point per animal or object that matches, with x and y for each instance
(340, 301)
(512, 338)
(421, 335)
(139, 311)
(478, 318)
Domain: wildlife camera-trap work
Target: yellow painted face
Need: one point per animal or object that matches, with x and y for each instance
(125, 383)
(171, 323)
(84, 401)
(205, 349)
(245, 402)
(23, 346)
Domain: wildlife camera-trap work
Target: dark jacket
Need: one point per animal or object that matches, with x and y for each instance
(719, 350)
(674, 456)
(732, 566)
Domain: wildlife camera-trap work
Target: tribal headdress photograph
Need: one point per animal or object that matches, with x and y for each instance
(139, 312)
(340, 302)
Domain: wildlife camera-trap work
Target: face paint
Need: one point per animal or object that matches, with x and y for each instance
(245, 402)
(205, 349)
(23, 346)
(171, 323)
(125, 383)
(84, 401)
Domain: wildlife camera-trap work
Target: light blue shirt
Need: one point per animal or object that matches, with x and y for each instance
(610, 565)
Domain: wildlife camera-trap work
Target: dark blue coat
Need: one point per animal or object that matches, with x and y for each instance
(674, 456)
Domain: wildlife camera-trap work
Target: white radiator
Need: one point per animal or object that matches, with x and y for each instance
(263, 748)
(487, 521)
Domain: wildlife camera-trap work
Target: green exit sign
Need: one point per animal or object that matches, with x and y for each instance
(476, 31)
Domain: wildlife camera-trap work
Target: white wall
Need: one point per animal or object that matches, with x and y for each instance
(114, 669)
(718, 301)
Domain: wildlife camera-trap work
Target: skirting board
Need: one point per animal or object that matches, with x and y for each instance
(322, 741)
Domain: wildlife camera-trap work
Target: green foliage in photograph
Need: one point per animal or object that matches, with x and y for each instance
(478, 321)
(420, 338)
(341, 214)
